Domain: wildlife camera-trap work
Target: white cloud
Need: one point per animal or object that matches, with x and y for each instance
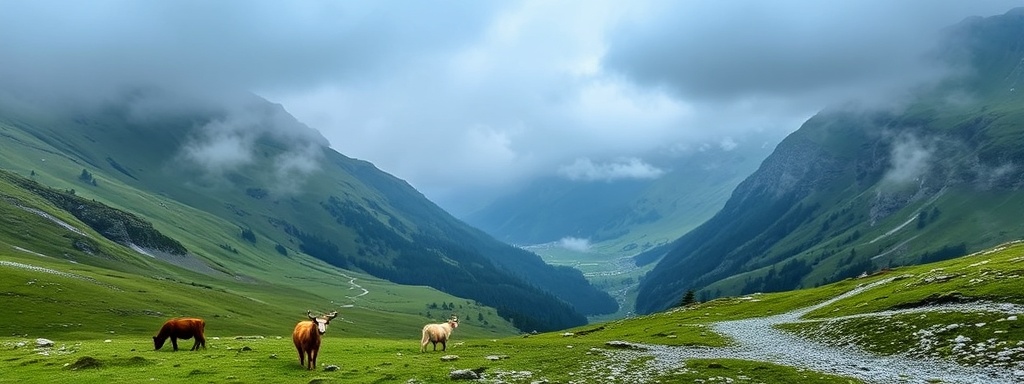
(584, 169)
(727, 144)
(574, 244)
(909, 160)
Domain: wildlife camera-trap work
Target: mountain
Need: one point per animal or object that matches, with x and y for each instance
(855, 190)
(245, 161)
(635, 214)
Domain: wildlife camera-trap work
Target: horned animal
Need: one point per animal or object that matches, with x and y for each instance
(307, 337)
(438, 333)
(181, 328)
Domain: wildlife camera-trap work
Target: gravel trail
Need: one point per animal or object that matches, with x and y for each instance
(758, 339)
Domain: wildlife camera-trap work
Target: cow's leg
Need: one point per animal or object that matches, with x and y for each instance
(174, 342)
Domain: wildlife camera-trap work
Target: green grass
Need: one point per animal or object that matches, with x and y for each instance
(360, 360)
(987, 275)
(375, 346)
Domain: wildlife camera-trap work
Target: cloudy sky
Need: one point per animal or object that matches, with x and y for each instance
(466, 98)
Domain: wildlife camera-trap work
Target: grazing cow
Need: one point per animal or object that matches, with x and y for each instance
(438, 333)
(307, 337)
(181, 328)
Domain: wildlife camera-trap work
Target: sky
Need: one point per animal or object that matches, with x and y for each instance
(466, 100)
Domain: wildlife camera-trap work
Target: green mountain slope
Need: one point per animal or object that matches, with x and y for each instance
(853, 191)
(61, 278)
(281, 192)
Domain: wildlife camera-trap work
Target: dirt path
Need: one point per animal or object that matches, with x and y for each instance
(758, 339)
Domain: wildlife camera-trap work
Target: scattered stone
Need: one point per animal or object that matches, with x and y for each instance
(108, 341)
(273, 356)
(1012, 318)
(463, 374)
(331, 368)
(19, 344)
(715, 365)
(496, 357)
(246, 348)
(449, 357)
(249, 337)
(44, 343)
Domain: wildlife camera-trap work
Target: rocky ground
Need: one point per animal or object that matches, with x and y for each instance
(759, 339)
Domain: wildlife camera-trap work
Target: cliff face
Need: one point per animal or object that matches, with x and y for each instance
(856, 190)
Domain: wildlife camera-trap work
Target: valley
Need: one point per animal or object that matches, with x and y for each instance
(808, 201)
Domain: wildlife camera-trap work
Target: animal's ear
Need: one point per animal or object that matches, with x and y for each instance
(310, 315)
(154, 338)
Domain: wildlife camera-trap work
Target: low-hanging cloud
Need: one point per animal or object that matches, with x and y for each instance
(574, 244)
(909, 160)
(817, 53)
(468, 99)
(229, 143)
(585, 169)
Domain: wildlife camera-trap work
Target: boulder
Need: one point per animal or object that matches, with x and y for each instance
(463, 374)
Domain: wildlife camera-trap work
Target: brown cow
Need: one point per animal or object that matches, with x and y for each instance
(307, 337)
(181, 328)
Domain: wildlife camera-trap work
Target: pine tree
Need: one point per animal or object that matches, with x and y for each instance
(688, 299)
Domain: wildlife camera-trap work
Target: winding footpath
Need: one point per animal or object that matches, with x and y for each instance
(757, 339)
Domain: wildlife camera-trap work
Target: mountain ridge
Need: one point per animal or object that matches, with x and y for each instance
(252, 164)
(836, 197)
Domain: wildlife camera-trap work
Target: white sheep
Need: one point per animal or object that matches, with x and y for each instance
(438, 333)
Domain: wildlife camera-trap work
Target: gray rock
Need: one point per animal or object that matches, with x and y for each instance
(449, 357)
(44, 343)
(463, 374)
(331, 368)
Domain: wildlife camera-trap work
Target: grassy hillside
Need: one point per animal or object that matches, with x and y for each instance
(261, 187)
(62, 277)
